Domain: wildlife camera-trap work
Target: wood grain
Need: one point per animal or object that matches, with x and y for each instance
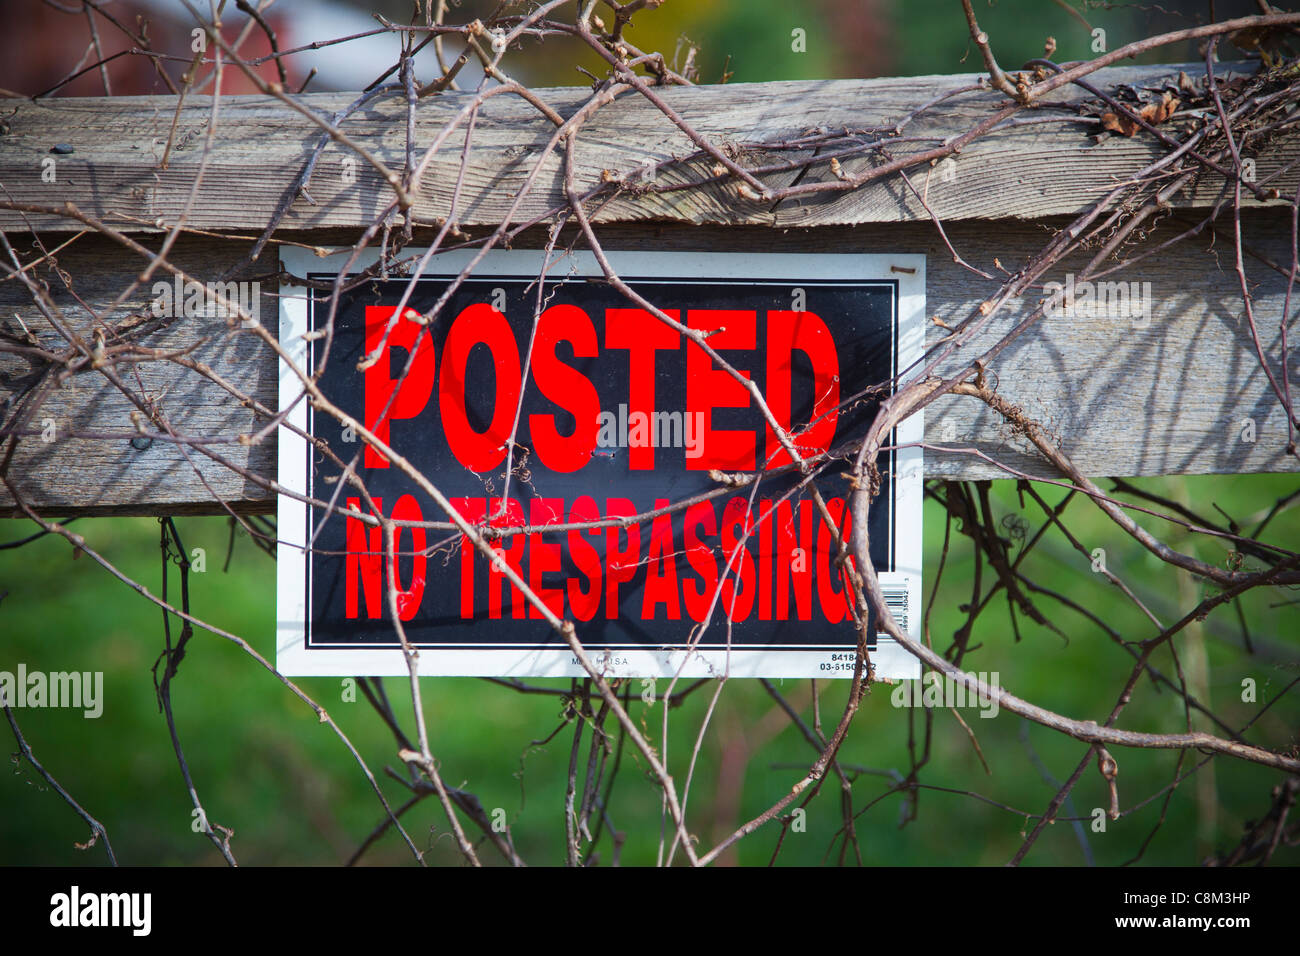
(1050, 165)
(1170, 398)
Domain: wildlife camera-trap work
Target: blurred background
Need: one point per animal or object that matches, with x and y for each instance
(291, 792)
(736, 40)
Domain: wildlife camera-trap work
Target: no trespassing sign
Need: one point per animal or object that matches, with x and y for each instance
(550, 413)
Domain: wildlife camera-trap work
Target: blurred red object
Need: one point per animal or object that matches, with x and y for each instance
(42, 44)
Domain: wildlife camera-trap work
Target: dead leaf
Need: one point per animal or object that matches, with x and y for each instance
(1119, 124)
(1153, 113)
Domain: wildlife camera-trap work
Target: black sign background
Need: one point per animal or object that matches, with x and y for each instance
(861, 315)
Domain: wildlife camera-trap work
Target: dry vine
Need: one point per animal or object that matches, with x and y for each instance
(1112, 231)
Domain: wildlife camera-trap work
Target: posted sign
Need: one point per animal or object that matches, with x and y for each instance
(552, 414)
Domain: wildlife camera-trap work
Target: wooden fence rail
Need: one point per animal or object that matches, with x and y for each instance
(1178, 392)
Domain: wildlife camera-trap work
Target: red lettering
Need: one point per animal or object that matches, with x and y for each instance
(763, 533)
(413, 391)
(701, 559)
(620, 563)
(566, 387)
(794, 560)
(805, 331)
(642, 335)
(408, 599)
(544, 556)
(585, 603)
(661, 585)
(836, 604)
(737, 600)
(364, 561)
(472, 510)
(511, 549)
(479, 324)
(708, 388)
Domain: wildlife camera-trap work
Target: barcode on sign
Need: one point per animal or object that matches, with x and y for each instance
(896, 601)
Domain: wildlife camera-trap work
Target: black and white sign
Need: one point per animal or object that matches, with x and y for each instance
(549, 414)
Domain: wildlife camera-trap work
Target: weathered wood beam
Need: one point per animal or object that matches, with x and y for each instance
(1046, 162)
(1168, 398)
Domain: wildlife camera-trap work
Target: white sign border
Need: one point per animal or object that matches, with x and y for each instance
(890, 660)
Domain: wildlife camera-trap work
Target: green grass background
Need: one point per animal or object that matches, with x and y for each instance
(265, 767)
